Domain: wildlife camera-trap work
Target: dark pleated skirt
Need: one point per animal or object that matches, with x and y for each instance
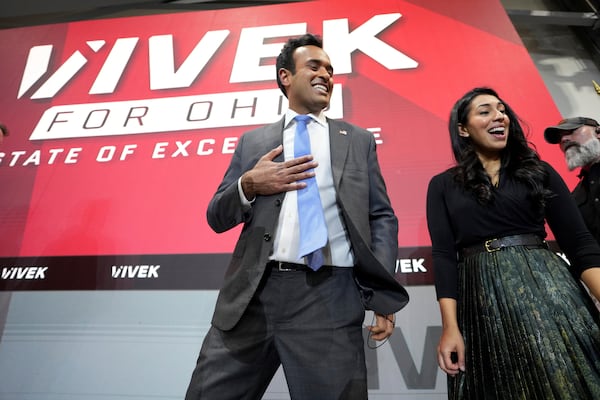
(531, 331)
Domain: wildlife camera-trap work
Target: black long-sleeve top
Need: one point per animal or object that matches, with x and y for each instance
(456, 220)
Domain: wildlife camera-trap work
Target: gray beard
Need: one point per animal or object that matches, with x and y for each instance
(581, 155)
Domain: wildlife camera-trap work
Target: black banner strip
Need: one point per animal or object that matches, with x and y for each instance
(160, 271)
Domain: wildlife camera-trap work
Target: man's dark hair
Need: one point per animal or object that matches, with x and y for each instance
(4, 130)
(285, 59)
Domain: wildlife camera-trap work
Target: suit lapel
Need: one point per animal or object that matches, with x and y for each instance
(339, 141)
(273, 137)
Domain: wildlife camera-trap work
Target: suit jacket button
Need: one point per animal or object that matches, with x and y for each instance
(278, 202)
(267, 237)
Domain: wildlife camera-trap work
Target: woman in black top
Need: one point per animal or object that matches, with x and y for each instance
(516, 321)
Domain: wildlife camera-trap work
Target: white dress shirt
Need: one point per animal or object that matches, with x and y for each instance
(285, 246)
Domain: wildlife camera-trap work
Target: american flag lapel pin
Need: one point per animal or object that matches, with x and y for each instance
(343, 132)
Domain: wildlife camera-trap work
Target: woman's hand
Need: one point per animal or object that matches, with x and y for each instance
(451, 351)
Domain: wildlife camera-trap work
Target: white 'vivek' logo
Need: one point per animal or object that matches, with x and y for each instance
(28, 273)
(255, 44)
(134, 271)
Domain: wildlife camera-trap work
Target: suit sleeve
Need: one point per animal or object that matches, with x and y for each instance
(382, 219)
(225, 209)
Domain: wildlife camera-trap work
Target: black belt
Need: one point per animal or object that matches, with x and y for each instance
(491, 245)
(288, 266)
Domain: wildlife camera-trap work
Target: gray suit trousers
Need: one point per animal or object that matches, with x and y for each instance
(309, 322)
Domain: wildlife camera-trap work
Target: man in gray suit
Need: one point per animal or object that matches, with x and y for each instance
(273, 309)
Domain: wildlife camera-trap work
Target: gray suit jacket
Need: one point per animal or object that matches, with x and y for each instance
(359, 186)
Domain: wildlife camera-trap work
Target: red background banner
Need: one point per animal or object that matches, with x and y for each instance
(114, 196)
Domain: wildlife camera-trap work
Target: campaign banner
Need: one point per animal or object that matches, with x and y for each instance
(121, 129)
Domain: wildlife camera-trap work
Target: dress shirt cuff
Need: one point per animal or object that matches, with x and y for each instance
(246, 204)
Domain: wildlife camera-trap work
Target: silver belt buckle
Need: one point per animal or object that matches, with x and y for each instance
(280, 267)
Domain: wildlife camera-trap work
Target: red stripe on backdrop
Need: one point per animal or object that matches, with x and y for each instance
(117, 151)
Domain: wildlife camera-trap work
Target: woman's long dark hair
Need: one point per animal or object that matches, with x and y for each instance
(518, 159)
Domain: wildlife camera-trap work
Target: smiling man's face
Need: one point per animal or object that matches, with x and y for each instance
(309, 88)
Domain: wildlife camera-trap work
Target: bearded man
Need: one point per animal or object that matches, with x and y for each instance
(578, 139)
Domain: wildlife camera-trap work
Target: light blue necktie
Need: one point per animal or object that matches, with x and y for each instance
(313, 230)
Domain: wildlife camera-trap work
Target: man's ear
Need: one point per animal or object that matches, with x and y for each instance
(284, 76)
(462, 131)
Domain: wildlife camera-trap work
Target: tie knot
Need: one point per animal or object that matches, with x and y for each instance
(302, 118)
